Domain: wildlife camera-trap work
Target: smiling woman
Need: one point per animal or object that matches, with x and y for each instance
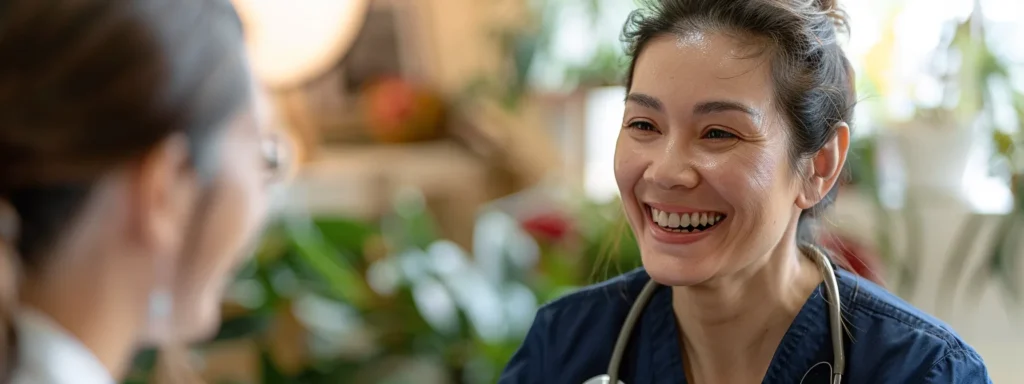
(735, 133)
(709, 140)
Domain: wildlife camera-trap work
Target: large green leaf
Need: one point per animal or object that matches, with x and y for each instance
(269, 371)
(345, 235)
(341, 277)
(1004, 143)
(246, 326)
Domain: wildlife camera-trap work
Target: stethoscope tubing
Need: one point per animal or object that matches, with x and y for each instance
(835, 313)
(831, 294)
(627, 329)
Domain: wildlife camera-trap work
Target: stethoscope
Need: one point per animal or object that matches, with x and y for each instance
(835, 322)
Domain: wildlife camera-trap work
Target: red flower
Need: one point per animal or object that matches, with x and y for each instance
(398, 111)
(855, 257)
(391, 101)
(549, 226)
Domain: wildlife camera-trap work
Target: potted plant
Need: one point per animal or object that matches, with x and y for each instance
(986, 82)
(936, 144)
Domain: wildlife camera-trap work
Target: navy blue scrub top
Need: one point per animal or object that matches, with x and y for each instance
(887, 340)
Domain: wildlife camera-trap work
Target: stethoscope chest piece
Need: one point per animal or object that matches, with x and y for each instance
(601, 379)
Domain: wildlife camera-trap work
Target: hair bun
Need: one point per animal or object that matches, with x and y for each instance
(826, 5)
(835, 13)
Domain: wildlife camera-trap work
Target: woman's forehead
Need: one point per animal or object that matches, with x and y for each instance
(686, 70)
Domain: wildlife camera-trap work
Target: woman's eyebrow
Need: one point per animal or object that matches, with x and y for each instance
(703, 108)
(716, 106)
(646, 101)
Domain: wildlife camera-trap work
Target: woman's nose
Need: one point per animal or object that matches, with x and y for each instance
(672, 170)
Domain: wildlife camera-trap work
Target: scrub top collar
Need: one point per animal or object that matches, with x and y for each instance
(806, 343)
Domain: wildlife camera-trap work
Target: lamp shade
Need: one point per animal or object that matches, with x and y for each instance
(291, 42)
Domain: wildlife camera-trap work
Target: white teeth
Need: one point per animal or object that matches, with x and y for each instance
(685, 222)
(673, 220)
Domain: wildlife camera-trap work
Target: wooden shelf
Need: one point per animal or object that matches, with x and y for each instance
(359, 181)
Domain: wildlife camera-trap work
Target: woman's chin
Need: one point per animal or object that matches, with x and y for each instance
(676, 271)
(202, 327)
(193, 325)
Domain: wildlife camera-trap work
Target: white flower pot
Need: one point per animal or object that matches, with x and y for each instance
(935, 158)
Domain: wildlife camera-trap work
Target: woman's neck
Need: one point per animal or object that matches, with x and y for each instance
(742, 317)
(96, 303)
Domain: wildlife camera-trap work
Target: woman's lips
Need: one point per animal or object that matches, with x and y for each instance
(681, 227)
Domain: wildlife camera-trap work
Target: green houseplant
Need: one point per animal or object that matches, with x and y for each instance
(975, 81)
(329, 299)
(984, 82)
(526, 46)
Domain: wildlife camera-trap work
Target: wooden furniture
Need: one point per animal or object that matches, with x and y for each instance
(361, 180)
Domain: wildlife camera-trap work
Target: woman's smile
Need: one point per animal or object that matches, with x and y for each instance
(679, 225)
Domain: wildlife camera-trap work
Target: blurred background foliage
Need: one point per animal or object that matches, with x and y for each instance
(334, 300)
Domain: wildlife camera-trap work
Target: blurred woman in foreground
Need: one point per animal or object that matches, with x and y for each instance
(132, 177)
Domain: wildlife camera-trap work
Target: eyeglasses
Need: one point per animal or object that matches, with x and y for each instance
(275, 156)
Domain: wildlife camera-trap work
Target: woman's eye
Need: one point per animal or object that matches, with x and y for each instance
(718, 134)
(642, 125)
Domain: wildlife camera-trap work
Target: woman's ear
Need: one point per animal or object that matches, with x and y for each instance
(163, 193)
(826, 167)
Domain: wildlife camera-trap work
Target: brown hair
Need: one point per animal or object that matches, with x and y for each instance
(810, 72)
(87, 85)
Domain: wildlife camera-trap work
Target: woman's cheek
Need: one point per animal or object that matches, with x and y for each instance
(628, 163)
(740, 176)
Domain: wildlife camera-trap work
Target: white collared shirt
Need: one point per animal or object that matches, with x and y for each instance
(47, 354)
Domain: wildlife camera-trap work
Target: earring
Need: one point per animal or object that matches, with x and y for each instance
(161, 306)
